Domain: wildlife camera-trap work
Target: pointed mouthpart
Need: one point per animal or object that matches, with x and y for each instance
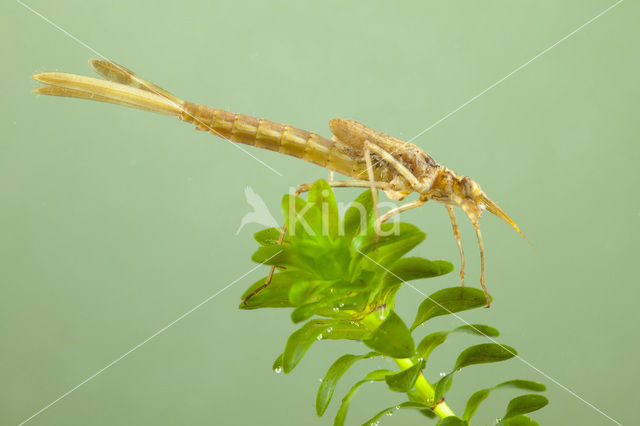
(493, 208)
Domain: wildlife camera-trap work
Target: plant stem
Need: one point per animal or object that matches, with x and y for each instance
(422, 385)
(425, 389)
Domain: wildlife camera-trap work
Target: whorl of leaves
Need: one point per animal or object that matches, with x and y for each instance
(339, 278)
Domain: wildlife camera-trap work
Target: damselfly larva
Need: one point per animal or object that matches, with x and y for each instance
(396, 167)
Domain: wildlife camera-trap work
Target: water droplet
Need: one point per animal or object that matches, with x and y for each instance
(278, 370)
(389, 413)
(320, 380)
(397, 407)
(336, 309)
(498, 420)
(443, 374)
(342, 305)
(329, 330)
(319, 337)
(420, 359)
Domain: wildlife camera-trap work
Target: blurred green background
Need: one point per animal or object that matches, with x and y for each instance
(115, 222)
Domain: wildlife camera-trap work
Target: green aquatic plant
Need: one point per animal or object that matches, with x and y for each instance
(340, 279)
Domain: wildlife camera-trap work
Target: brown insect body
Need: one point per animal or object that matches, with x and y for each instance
(345, 156)
(439, 183)
(397, 167)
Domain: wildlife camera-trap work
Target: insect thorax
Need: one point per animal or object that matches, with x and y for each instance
(421, 165)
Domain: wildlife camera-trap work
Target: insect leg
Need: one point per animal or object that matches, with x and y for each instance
(346, 184)
(401, 208)
(476, 226)
(456, 234)
(481, 244)
(368, 147)
(400, 168)
(304, 188)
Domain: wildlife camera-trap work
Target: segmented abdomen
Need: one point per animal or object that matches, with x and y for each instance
(285, 139)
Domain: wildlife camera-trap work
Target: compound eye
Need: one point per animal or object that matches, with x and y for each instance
(472, 188)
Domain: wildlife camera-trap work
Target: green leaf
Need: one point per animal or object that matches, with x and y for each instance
(478, 354)
(484, 353)
(277, 364)
(325, 258)
(276, 295)
(474, 402)
(447, 301)
(452, 421)
(300, 340)
(280, 255)
(360, 216)
(404, 380)
(322, 196)
(267, 237)
(343, 329)
(374, 376)
(306, 311)
(433, 340)
(415, 268)
(335, 372)
(331, 307)
(524, 404)
(347, 293)
(310, 255)
(303, 219)
(519, 421)
(442, 386)
(522, 384)
(411, 405)
(378, 254)
(391, 338)
(301, 290)
(415, 396)
(430, 342)
(478, 329)
(314, 330)
(478, 397)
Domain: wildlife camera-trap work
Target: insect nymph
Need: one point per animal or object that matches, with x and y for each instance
(375, 160)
